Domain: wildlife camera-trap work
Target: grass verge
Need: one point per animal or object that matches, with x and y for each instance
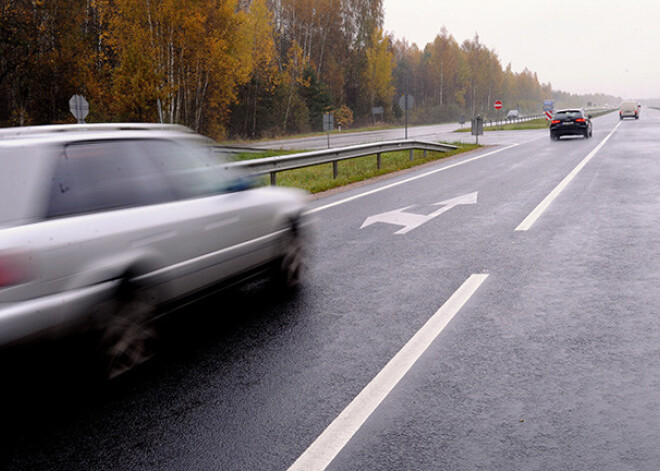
(319, 177)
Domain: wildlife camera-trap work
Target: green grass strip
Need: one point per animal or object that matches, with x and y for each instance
(319, 177)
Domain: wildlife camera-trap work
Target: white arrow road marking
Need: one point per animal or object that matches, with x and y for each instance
(410, 221)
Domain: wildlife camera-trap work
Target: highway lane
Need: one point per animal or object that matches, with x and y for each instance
(550, 363)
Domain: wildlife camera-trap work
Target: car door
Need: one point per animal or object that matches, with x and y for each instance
(225, 227)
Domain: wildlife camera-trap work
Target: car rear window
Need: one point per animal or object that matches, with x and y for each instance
(568, 115)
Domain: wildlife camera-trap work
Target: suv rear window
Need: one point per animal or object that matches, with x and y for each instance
(568, 115)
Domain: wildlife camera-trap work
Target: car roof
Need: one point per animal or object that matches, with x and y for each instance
(76, 132)
(569, 110)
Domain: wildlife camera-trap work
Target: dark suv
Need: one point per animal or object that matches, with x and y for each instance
(570, 123)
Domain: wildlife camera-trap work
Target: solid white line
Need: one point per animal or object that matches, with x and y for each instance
(401, 182)
(326, 447)
(538, 211)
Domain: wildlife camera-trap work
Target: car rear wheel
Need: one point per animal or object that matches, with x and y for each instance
(128, 337)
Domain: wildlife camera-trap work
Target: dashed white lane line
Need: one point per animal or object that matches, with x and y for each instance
(326, 447)
(540, 209)
(401, 182)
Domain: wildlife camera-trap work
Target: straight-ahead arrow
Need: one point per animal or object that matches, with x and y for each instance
(410, 221)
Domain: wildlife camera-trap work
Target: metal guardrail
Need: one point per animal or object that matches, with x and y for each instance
(504, 121)
(272, 165)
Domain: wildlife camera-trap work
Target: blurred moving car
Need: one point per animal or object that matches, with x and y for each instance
(629, 109)
(572, 122)
(103, 225)
(513, 114)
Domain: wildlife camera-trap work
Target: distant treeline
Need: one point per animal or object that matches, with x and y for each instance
(243, 68)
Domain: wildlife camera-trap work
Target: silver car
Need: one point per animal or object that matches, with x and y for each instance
(101, 226)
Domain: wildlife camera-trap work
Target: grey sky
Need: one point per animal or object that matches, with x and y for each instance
(579, 46)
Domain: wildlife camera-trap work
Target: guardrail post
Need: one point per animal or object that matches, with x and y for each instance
(378, 161)
(335, 169)
(412, 154)
(424, 153)
(273, 178)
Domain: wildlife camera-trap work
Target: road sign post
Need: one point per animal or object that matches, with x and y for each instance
(406, 102)
(498, 107)
(328, 124)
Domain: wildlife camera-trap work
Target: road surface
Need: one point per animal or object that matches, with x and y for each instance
(496, 310)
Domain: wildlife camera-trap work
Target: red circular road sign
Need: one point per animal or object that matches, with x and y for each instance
(498, 105)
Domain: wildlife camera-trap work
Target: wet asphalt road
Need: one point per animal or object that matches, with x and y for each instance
(553, 363)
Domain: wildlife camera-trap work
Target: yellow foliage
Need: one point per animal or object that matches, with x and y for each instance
(190, 54)
(378, 73)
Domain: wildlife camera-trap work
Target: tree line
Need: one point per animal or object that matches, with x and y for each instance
(243, 68)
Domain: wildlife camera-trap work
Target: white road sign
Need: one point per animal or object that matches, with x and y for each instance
(79, 107)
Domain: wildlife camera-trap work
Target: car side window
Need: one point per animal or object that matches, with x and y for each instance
(102, 175)
(191, 169)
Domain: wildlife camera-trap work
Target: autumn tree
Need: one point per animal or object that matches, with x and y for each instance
(293, 79)
(43, 57)
(343, 116)
(253, 111)
(378, 72)
(191, 55)
(244, 67)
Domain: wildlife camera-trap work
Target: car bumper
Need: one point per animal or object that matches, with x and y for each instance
(570, 130)
(56, 315)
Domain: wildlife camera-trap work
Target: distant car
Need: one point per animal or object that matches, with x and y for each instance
(572, 122)
(629, 109)
(102, 226)
(513, 114)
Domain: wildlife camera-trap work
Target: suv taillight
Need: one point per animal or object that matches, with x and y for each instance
(555, 121)
(13, 269)
(580, 120)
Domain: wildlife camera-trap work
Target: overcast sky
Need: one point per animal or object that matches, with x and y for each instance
(579, 46)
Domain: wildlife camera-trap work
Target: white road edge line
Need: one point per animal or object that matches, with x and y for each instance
(333, 439)
(401, 182)
(540, 209)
